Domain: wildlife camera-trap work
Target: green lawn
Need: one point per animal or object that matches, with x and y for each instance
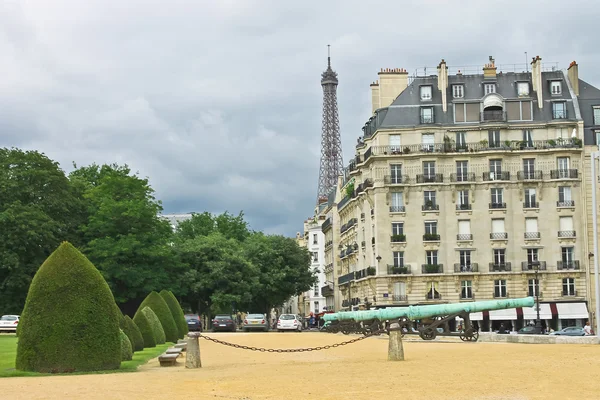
(8, 353)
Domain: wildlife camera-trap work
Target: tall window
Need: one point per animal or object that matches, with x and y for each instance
(490, 88)
(497, 197)
(522, 89)
(462, 169)
(461, 140)
(500, 288)
(529, 168)
(495, 170)
(315, 241)
(532, 255)
(458, 91)
(433, 291)
(431, 256)
(398, 258)
(429, 169)
(569, 287)
(431, 227)
(534, 287)
(397, 202)
(559, 110)
(395, 143)
(564, 196)
(463, 199)
(316, 306)
(555, 87)
(494, 138)
(397, 228)
(425, 92)
(500, 257)
(464, 257)
(466, 290)
(563, 167)
(567, 254)
(428, 141)
(530, 200)
(596, 115)
(427, 115)
(527, 138)
(315, 256)
(429, 198)
(396, 173)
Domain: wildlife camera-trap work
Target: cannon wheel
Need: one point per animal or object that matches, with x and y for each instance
(428, 334)
(470, 335)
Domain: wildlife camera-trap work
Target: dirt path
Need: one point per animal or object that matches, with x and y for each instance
(486, 371)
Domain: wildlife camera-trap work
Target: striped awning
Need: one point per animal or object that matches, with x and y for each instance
(508, 314)
(531, 312)
(572, 310)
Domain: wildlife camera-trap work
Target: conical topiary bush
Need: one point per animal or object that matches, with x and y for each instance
(145, 327)
(157, 329)
(133, 333)
(126, 350)
(176, 311)
(69, 322)
(163, 312)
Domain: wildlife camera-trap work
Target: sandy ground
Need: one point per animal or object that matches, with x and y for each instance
(486, 371)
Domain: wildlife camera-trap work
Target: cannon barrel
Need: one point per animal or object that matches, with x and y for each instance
(427, 311)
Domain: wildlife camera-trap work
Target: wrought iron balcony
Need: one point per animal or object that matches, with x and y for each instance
(463, 207)
(363, 273)
(342, 280)
(430, 207)
(395, 209)
(327, 290)
(531, 204)
(396, 179)
(497, 206)
(462, 268)
(559, 114)
(430, 178)
(566, 203)
(431, 237)
(398, 269)
(527, 266)
(561, 265)
(499, 235)
(432, 268)
(564, 174)
(493, 115)
(531, 235)
(326, 224)
(529, 175)
(400, 238)
(463, 177)
(464, 236)
(427, 119)
(496, 176)
(495, 267)
(399, 298)
(566, 234)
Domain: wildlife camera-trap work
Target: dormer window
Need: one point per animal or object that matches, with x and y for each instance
(555, 87)
(490, 88)
(522, 89)
(425, 92)
(458, 91)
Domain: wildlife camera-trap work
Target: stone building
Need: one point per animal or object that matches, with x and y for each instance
(466, 186)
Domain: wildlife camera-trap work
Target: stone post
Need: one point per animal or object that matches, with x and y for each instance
(395, 348)
(192, 353)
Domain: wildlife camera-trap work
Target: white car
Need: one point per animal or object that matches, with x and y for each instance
(9, 322)
(288, 322)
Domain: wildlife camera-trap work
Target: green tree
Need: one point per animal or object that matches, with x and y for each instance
(70, 321)
(204, 224)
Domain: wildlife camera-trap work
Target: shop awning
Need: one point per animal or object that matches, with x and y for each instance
(477, 316)
(572, 310)
(503, 315)
(531, 312)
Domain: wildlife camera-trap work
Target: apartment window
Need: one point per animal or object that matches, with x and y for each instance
(569, 287)
(499, 256)
(458, 91)
(530, 200)
(563, 167)
(564, 196)
(398, 258)
(534, 287)
(425, 92)
(462, 169)
(490, 88)
(529, 168)
(497, 197)
(431, 257)
(429, 199)
(532, 256)
(427, 115)
(498, 229)
(428, 141)
(316, 306)
(396, 173)
(566, 227)
(397, 202)
(316, 290)
(555, 87)
(596, 115)
(463, 199)
(400, 289)
(493, 139)
(559, 110)
(567, 254)
(466, 290)
(397, 228)
(315, 256)
(527, 138)
(431, 228)
(500, 288)
(315, 241)
(429, 169)
(495, 170)
(461, 141)
(395, 144)
(531, 228)
(562, 133)
(464, 257)
(522, 89)
(464, 230)
(432, 290)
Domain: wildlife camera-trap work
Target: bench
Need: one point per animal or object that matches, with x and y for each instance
(167, 360)
(180, 341)
(173, 350)
(182, 346)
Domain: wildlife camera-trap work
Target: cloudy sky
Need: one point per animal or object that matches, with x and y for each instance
(219, 102)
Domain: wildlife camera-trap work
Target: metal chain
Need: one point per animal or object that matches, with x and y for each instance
(300, 350)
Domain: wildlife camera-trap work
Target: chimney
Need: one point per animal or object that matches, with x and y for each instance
(573, 74)
(489, 70)
(392, 81)
(536, 79)
(443, 83)
(375, 96)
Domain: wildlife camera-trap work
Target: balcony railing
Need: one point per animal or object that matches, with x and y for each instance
(431, 237)
(560, 265)
(346, 278)
(462, 268)
(529, 175)
(527, 266)
(398, 269)
(396, 179)
(499, 235)
(430, 207)
(531, 204)
(566, 203)
(400, 238)
(464, 236)
(363, 273)
(531, 235)
(497, 206)
(432, 268)
(566, 234)
(427, 119)
(564, 174)
(559, 114)
(462, 177)
(463, 207)
(396, 209)
(399, 298)
(430, 178)
(326, 224)
(493, 115)
(495, 267)
(496, 176)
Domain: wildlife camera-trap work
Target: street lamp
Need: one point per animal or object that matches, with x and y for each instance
(536, 267)
(593, 157)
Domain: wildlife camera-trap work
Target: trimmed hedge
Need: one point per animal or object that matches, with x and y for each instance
(157, 329)
(69, 322)
(133, 333)
(145, 328)
(176, 311)
(163, 312)
(126, 350)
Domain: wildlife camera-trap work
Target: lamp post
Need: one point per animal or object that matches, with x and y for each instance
(594, 156)
(538, 323)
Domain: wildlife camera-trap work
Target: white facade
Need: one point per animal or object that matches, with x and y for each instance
(315, 242)
(175, 219)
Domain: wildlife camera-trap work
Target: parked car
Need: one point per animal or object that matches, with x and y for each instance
(255, 322)
(529, 330)
(224, 323)
(9, 322)
(570, 331)
(193, 322)
(288, 322)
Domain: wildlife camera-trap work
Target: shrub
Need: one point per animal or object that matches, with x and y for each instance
(145, 327)
(176, 311)
(133, 333)
(157, 329)
(126, 350)
(69, 322)
(163, 312)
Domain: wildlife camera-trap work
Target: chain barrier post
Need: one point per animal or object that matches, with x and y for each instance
(192, 354)
(395, 347)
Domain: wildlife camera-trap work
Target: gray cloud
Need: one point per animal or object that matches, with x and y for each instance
(219, 103)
